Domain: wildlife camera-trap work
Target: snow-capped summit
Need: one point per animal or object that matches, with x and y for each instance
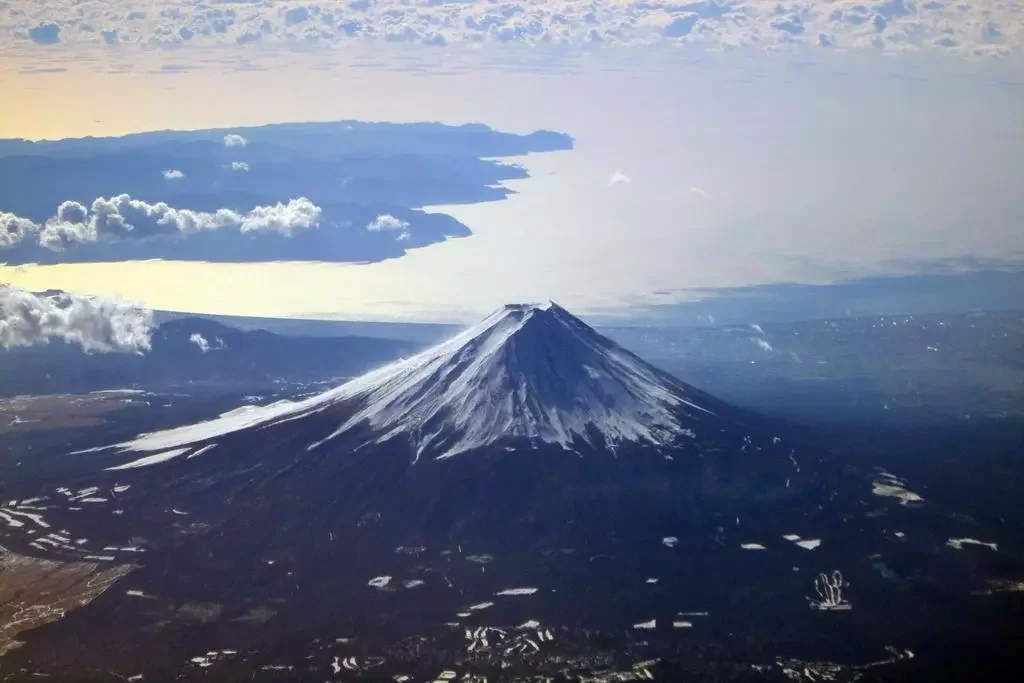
(527, 371)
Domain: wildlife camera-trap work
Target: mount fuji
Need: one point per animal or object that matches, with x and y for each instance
(528, 374)
(529, 415)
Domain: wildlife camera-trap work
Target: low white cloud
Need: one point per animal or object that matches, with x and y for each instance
(15, 229)
(757, 328)
(200, 341)
(287, 219)
(764, 345)
(239, 166)
(235, 140)
(112, 219)
(618, 178)
(701, 192)
(388, 223)
(173, 174)
(123, 218)
(97, 325)
(204, 345)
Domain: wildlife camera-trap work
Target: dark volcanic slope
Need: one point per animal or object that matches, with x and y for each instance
(528, 498)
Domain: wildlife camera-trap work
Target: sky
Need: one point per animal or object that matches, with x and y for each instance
(717, 144)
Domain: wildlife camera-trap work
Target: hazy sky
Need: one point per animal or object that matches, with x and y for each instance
(695, 166)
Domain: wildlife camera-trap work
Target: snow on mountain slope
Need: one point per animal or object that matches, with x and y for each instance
(527, 370)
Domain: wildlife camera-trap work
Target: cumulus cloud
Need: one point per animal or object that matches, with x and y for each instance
(235, 140)
(619, 178)
(14, 229)
(757, 328)
(112, 219)
(97, 325)
(388, 223)
(204, 345)
(239, 166)
(200, 341)
(701, 192)
(297, 215)
(764, 345)
(173, 174)
(848, 24)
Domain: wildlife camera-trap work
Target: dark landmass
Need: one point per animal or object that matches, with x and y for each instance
(354, 171)
(858, 398)
(313, 532)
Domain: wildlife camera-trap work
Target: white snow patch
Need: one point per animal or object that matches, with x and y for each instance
(793, 538)
(36, 519)
(669, 541)
(959, 543)
(412, 583)
(646, 625)
(517, 591)
(379, 582)
(151, 459)
(891, 486)
(682, 624)
(651, 581)
(530, 624)
(752, 546)
(480, 605)
(809, 543)
(10, 520)
(202, 450)
(85, 493)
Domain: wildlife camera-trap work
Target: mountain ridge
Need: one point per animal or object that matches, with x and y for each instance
(527, 372)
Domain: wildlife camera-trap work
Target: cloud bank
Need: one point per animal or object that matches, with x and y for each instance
(122, 218)
(97, 325)
(978, 26)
